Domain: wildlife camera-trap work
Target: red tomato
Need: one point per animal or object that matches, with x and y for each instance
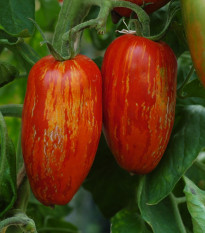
(139, 95)
(61, 126)
(155, 5)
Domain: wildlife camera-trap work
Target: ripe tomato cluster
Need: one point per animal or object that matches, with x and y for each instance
(66, 103)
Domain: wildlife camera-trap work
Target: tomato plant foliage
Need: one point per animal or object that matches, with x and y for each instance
(168, 199)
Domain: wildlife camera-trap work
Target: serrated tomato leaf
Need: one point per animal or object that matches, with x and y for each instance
(186, 142)
(112, 187)
(196, 205)
(14, 17)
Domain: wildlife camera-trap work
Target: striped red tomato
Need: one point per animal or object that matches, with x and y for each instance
(139, 95)
(153, 6)
(61, 126)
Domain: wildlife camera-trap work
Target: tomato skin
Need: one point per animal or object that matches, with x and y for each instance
(194, 18)
(156, 4)
(61, 126)
(139, 95)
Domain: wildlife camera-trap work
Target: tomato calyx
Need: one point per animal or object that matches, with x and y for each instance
(99, 23)
(133, 28)
(125, 31)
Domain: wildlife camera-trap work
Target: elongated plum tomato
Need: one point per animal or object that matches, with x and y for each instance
(61, 126)
(139, 95)
(153, 6)
(194, 18)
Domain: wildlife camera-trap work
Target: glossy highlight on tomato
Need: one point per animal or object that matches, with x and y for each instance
(153, 6)
(194, 18)
(61, 126)
(139, 95)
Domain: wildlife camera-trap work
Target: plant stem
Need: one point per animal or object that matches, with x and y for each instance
(21, 220)
(164, 31)
(177, 213)
(23, 191)
(180, 200)
(141, 14)
(10, 221)
(12, 110)
(72, 13)
(200, 165)
(4, 137)
(69, 38)
(180, 90)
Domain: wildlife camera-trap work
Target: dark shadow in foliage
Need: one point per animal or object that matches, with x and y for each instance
(112, 187)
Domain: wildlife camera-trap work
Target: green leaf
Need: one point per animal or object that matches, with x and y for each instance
(7, 170)
(186, 142)
(27, 56)
(184, 66)
(14, 17)
(162, 217)
(128, 221)
(196, 205)
(7, 73)
(47, 14)
(112, 187)
(194, 89)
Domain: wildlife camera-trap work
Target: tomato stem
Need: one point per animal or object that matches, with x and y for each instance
(4, 137)
(177, 213)
(141, 14)
(99, 23)
(200, 165)
(11, 110)
(66, 38)
(136, 26)
(171, 14)
(23, 190)
(20, 219)
(72, 13)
